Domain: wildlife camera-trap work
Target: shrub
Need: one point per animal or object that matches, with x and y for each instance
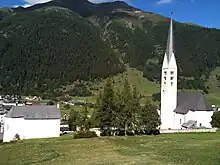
(84, 134)
(50, 103)
(152, 132)
(67, 106)
(216, 119)
(17, 137)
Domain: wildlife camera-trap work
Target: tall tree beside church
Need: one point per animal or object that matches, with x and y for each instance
(118, 113)
(125, 109)
(136, 107)
(149, 118)
(216, 119)
(107, 107)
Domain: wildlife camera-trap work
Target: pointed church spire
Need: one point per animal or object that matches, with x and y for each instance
(169, 49)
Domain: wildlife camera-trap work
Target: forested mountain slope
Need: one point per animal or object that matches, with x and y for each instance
(46, 46)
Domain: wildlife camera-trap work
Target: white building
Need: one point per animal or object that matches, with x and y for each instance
(40, 121)
(180, 109)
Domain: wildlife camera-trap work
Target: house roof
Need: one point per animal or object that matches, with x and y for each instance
(34, 112)
(194, 101)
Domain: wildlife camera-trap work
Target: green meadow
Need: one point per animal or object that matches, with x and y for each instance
(166, 149)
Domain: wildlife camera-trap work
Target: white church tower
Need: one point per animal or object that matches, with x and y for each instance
(168, 85)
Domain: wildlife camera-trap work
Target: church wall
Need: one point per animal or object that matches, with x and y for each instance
(179, 120)
(202, 117)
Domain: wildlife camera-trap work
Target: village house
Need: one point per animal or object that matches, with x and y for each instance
(28, 122)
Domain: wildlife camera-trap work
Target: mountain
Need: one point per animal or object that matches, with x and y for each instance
(49, 45)
(44, 49)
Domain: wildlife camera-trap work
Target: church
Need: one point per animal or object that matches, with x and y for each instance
(180, 110)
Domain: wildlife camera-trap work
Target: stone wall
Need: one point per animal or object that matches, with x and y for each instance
(188, 130)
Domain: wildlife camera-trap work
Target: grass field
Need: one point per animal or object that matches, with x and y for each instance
(170, 149)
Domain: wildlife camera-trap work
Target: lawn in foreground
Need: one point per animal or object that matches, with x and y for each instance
(170, 149)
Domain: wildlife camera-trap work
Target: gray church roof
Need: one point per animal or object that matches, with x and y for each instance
(35, 112)
(194, 101)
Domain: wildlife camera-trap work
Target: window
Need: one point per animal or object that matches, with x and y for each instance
(171, 78)
(165, 78)
(171, 72)
(164, 82)
(171, 83)
(180, 121)
(165, 72)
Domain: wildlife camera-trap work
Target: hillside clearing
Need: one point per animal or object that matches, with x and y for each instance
(170, 149)
(146, 88)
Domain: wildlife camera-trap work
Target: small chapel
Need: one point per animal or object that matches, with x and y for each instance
(180, 110)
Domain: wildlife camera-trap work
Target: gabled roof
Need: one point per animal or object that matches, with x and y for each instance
(194, 101)
(34, 112)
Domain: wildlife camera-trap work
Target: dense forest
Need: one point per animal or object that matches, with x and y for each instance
(40, 51)
(45, 47)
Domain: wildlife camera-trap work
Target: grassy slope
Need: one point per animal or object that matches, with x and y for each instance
(170, 149)
(213, 83)
(135, 77)
(147, 88)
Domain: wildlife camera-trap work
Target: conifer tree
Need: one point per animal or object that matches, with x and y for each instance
(74, 119)
(86, 122)
(136, 107)
(107, 107)
(126, 110)
(149, 118)
(96, 115)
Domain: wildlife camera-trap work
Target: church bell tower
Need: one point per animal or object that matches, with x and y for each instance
(168, 85)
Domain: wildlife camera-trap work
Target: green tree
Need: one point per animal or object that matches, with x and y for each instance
(75, 120)
(96, 114)
(149, 118)
(216, 119)
(86, 121)
(125, 113)
(136, 107)
(107, 107)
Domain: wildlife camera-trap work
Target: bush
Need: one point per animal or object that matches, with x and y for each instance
(216, 119)
(152, 132)
(84, 134)
(67, 106)
(17, 137)
(50, 103)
